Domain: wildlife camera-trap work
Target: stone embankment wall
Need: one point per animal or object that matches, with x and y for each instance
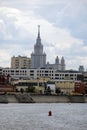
(24, 98)
(77, 99)
(15, 98)
(59, 99)
(50, 99)
(27, 98)
(3, 98)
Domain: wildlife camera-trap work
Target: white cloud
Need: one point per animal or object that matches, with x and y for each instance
(4, 58)
(18, 25)
(76, 61)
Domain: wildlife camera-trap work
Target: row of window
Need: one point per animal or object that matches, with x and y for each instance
(32, 74)
(29, 84)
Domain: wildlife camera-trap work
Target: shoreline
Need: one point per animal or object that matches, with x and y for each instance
(37, 98)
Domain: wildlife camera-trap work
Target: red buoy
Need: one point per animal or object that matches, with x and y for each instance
(49, 113)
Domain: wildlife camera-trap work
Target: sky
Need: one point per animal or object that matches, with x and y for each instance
(63, 28)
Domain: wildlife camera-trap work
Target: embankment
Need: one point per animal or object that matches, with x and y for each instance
(33, 98)
(59, 98)
(15, 98)
(50, 99)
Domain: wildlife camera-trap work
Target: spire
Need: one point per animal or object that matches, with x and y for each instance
(38, 41)
(38, 31)
(62, 61)
(57, 60)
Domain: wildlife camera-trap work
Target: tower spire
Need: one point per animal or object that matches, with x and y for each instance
(38, 40)
(38, 31)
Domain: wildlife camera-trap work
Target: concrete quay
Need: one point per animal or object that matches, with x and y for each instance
(15, 98)
(34, 98)
(59, 98)
(50, 99)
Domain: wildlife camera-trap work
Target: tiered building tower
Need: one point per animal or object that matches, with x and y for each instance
(62, 63)
(59, 64)
(38, 58)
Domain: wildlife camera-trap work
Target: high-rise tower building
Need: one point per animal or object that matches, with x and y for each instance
(38, 58)
(20, 62)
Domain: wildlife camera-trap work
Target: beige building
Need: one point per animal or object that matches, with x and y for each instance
(38, 85)
(20, 62)
(66, 86)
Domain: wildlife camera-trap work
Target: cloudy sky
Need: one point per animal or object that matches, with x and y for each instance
(63, 30)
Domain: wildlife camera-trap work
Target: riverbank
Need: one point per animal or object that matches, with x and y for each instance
(34, 98)
(59, 98)
(16, 98)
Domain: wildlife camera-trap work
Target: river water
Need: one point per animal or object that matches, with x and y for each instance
(65, 116)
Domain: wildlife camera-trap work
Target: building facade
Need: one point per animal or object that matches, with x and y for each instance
(41, 73)
(81, 68)
(20, 62)
(26, 84)
(66, 86)
(80, 87)
(59, 65)
(38, 57)
(65, 80)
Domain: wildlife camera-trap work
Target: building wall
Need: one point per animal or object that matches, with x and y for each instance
(38, 58)
(67, 87)
(38, 73)
(59, 64)
(38, 61)
(20, 62)
(24, 84)
(79, 87)
(83, 78)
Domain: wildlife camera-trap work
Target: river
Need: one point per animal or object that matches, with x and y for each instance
(65, 116)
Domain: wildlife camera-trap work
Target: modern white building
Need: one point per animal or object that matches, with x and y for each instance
(38, 73)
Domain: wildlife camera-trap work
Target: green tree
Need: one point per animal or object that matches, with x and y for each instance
(31, 89)
(58, 90)
(48, 90)
(22, 90)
